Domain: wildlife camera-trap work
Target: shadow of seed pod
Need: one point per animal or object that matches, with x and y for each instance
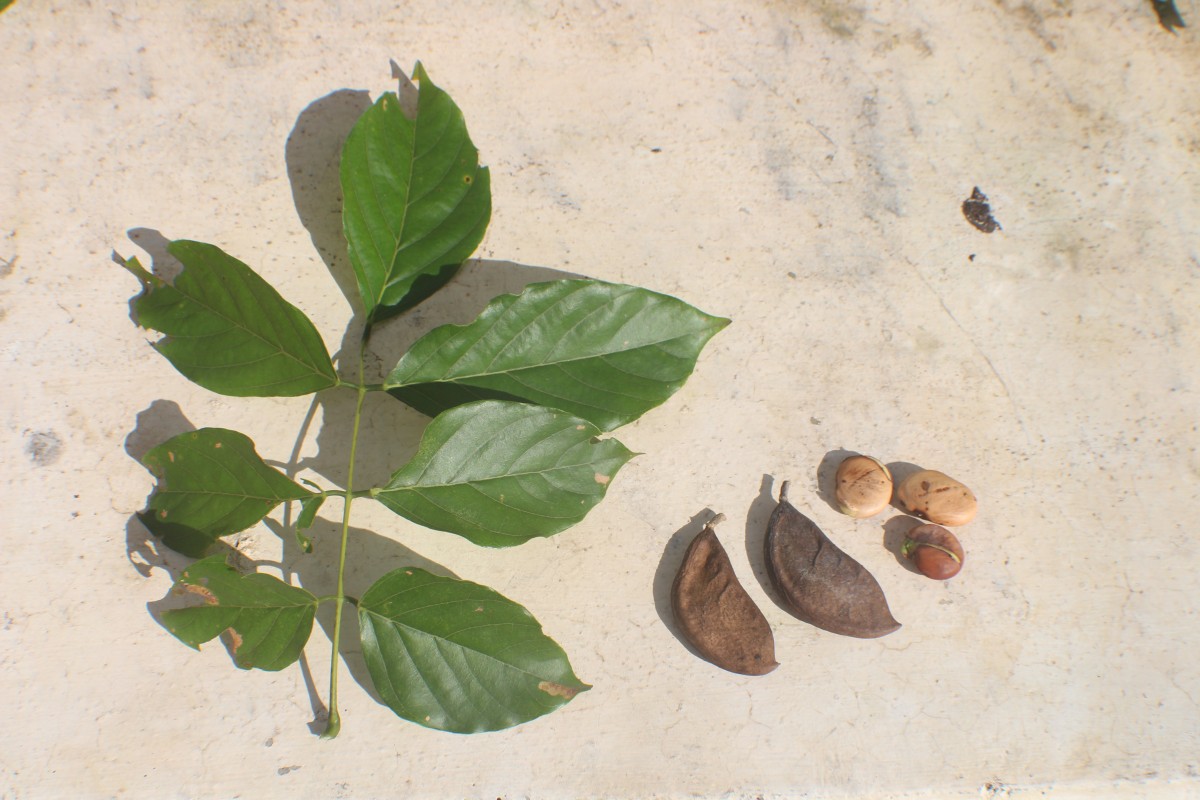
(715, 614)
(819, 583)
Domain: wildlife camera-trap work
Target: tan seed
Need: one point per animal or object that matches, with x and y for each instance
(864, 486)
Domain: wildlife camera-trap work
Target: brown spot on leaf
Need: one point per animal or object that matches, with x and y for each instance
(580, 427)
(203, 591)
(478, 609)
(408, 572)
(216, 445)
(170, 456)
(162, 514)
(558, 690)
(602, 479)
(235, 640)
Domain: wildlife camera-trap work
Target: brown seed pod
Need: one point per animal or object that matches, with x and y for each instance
(934, 551)
(937, 497)
(715, 614)
(864, 486)
(820, 584)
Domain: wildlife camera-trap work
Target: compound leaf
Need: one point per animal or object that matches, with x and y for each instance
(500, 473)
(416, 201)
(456, 656)
(211, 483)
(268, 620)
(228, 330)
(605, 352)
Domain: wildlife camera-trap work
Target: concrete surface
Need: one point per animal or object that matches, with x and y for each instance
(797, 166)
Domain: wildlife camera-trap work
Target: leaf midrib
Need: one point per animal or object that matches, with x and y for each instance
(443, 639)
(541, 365)
(473, 481)
(185, 291)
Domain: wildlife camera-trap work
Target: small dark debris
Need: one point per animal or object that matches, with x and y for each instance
(971, 257)
(977, 211)
(1168, 15)
(655, 149)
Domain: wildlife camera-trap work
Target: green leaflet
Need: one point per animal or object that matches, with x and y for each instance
(229, 330)
(605, 352)
(211, 483)
(416, 201)
(500, 473)
(268, 620)
(456, 656)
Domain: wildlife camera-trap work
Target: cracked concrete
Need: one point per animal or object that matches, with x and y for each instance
(796, 165)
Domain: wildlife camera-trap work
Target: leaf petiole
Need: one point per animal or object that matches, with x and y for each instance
(344, 493)
(369, 387)
(331, 597)
(339, 600)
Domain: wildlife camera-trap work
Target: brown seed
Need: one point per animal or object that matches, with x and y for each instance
(937, 497)
(715, 614)
(820, 584)
(934, 551)
(864, 486)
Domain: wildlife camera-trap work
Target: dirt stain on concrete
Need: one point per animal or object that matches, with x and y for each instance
(43, 448)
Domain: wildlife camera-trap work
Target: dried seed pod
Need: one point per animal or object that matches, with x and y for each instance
(864, 486)
(820, 584)
(934, 551)
(714, 612)
(937, 497)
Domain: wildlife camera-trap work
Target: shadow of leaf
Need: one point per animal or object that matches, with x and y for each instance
(313, 154)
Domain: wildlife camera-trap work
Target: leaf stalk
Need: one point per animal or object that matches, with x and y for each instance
(339, 599)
